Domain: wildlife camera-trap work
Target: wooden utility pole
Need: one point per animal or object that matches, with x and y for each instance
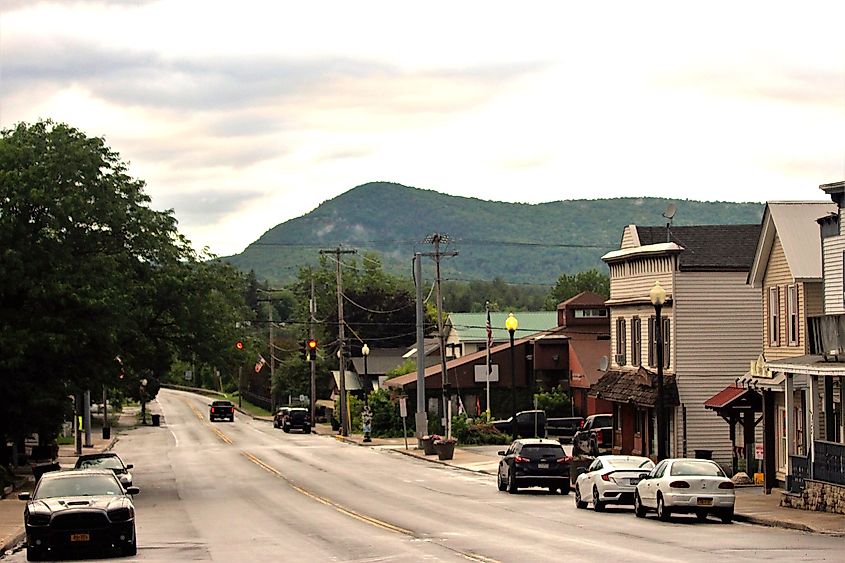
(436, 239)
(344, 415)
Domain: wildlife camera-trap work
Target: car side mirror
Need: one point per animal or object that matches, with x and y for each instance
(24, 496)
(580, 470)
(502, 452)
(129, 466)
(132, 490)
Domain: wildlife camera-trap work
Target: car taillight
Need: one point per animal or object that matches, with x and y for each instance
(581, 425)
(565, 459)
(212, 409)
(679, 485)
(598, 438)
(605, 477)
(520, 459)
(726, 485)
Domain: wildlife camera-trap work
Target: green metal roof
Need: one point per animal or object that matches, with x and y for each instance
(472, 327)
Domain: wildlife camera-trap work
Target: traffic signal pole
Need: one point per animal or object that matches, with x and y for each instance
(312, 309)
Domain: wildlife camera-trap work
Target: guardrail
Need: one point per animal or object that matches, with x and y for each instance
(829, 462)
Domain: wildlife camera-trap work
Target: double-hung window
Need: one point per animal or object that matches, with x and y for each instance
(652, 341)
(636, 342)
(774, 317)
(792, 314)
(621, 345)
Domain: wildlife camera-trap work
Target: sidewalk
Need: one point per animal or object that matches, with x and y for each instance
(751, 504)
(11, 509)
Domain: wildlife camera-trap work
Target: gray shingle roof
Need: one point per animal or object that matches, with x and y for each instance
(709, 247)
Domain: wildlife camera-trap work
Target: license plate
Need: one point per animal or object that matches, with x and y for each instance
(80, 537)
(705, 501)
(542, 466)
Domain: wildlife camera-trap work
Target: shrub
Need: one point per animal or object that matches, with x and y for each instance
(476, 431)
(555, 402)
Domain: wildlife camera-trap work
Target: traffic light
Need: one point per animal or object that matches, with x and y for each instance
(239, 344)
(312, 349)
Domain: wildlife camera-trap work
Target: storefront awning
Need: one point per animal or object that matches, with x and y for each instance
(736, 398)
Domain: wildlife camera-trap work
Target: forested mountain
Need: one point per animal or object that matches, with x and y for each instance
(517, 242)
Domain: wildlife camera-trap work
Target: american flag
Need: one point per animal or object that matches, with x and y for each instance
(489, 331)
(260, 363)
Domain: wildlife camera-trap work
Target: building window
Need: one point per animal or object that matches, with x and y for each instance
(792, 314)
(774, 319)
(652, 342)
(636, 342)
(620, 342)
(586, 313)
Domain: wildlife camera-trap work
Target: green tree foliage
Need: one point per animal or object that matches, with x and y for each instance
(571, 285)
(89, 272)
(555, 402)
(471, 297)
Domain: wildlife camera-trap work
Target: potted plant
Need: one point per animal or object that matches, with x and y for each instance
(428, 443)
(445, 448)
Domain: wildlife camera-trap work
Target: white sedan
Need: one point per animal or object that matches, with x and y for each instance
(610, 479)
(696, 486)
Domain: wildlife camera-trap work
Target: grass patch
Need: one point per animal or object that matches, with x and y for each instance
(64, 440)
(247, 406)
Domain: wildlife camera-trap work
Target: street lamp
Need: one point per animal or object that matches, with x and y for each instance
(366, 419)
(658, 298)
(511, 324)
(143, 401)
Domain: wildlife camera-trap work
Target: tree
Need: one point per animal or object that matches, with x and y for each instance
(571, 285)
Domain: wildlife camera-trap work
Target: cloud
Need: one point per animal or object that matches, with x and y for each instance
(210, 205)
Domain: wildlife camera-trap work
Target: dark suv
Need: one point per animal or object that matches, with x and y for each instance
(534, 462)
(297, 418)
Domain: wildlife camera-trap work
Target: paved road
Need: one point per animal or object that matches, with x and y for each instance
(243, 491)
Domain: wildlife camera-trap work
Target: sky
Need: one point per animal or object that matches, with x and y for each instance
(242, 115)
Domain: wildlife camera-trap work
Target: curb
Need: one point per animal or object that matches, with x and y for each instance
(772, 523)
(407, 453)
(13, 543)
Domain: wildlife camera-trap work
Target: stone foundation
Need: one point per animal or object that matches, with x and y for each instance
(818, 496)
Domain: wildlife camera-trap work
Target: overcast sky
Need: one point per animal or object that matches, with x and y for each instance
(242, 115)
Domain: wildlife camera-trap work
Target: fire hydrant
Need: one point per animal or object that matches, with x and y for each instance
(367, 420)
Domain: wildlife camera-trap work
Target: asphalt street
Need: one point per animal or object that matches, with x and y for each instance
(245, 491)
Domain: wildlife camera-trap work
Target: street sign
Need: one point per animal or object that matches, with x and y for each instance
(403, 407)
(303, 398)
(188, 375)
(758, 451)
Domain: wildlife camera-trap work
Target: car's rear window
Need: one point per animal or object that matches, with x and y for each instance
(221, 404)
(536, 451)
(110, 462)
(83, 485)
(602, 421)
(696, 469)
(632, 463)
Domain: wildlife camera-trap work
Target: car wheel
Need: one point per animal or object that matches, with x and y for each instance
(662, 511)
(639, 509)
(598, 505)
(512, 488)
(34, 553)
(578, 502)
(286, 429)
(564, 490)
(727, 515)
(594, 448)
(701, 515)
(275, 424)
(499, 483)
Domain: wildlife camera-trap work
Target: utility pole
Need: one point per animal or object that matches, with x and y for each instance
(436, 239)
(86, 410)
(344, 415)
(312, 309)
(422, 413)
(272, 359)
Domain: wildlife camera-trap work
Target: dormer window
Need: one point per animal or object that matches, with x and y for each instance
(590, 313)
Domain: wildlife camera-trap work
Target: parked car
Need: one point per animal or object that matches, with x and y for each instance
(610, 479)
(595, 435)
(534, 462)
(107, 460)
(224, 410)
(297, 418)
(82, 508)
(528, 424)
(563, 428)
(279, 417)
(684, 485)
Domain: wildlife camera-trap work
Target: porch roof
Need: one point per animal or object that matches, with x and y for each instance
(635, 386)
(734, 396)
(808, 365)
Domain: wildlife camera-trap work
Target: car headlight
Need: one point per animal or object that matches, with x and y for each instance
(121, 514)
(38, 519)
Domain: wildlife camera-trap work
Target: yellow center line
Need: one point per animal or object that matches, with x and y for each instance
(353, 513)
(200, 416)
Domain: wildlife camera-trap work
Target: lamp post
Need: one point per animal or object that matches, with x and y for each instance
(366, 417)
(658, 298)
(144, 401)
(511, 324)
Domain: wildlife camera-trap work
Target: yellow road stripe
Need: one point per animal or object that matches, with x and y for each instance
(201, 416)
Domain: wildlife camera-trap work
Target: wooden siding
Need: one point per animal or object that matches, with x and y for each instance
(832, 249)
(628, 237)
(813, 299)
(717, 326)
(626, 284)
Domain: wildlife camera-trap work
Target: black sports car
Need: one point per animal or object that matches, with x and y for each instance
(79, 509)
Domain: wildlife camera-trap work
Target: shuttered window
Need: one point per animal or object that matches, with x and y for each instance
(774, 317)
(621, 344)
(636, 342)
(652, 342)
(792, 314)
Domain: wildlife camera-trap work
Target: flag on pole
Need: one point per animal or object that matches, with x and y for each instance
(489, 331)
(461, 409)
(260, 363)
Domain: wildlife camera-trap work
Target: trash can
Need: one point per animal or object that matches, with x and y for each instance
(703, 454)
(106, 432)
(156, 418)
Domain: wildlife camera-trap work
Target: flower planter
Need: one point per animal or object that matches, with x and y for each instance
(428, 446)
(445, 450)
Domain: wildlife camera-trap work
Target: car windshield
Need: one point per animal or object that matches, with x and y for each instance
(536, 451)
(82, 485)
(110, 462)
(696, 469)
(632, 463)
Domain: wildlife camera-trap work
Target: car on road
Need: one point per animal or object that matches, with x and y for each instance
(528, 424)
(221, 410)
(107, 460)
(684, 485)
(610, 479)
(279, 417)
(595, 435)
(297, 418)
(80, 509)
(563, 428)
(534, 462)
